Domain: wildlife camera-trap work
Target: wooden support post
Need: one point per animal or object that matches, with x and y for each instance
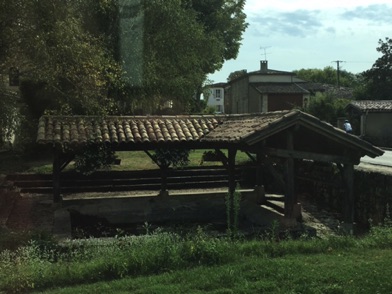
(349, 199)
(164, 171)
(290, 198)
(56, 176)
(231, 161)
(232, 183)
(259, 171)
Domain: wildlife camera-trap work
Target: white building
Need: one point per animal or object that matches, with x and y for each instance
(216, 98)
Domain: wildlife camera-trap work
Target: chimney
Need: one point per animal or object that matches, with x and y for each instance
(263, 66)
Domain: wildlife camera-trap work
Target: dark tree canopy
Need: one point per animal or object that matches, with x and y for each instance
(378, 79)
(236, 74)
(70, 59)
(48, 42)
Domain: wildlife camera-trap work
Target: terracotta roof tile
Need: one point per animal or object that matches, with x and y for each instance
(236, 128)
(372, 105)
(244, 128)
(124, 129)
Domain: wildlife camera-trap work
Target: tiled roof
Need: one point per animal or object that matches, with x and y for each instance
(124, 129)
(372, 105)
(271, 72)
(236, 128)
(339, 92)
(280, 88)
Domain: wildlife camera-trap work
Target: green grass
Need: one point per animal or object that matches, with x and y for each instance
(197, 263)
(135, 160)
(348, 272)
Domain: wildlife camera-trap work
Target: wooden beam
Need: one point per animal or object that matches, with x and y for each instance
(152, 158)
(231, 167)
(349, 199)
(222, 156)
(232, 184)
(309, 155)
(251, 156)
(65, 160)
(164, 171)
(259, 171)
(290, 198)
(56, 175)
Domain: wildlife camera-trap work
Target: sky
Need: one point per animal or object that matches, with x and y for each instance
(296, 34)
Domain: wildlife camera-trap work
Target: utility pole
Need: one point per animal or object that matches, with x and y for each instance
(338, 69)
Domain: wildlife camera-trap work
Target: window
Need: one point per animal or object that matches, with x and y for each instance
(217, 93)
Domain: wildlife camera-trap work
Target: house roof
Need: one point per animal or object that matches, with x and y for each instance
(268, 72)
(311, 134)
(271, 72)
(218, 85)
(280, 88)
(340, 92)
(371, 105)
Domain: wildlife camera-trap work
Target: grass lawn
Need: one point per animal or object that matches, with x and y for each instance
(357, 271)
(135, 160)
(165, 262)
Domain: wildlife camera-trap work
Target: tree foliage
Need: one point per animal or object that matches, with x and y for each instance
(328, 75)
(93, 157)
(378, 79)
(72, 48)
(327, 108)
(236, 74)
(49, 43)
(184, 40)
(171, 157)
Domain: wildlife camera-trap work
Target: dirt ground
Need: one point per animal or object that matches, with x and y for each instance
(31, 212)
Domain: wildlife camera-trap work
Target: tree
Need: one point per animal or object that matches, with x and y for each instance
(225, 22)
(378, 79)
(48, 43)
(328, 75)
(327, 108)
(62, 66)
(175, 48)
(71, 48)
(236, 74)
(184, 40)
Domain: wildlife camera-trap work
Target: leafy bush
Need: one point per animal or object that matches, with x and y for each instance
(327, 107)
(171, 157)
(94, 157)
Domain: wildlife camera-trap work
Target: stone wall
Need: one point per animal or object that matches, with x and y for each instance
(372, 190)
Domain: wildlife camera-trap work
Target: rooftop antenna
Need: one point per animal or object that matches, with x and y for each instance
(265, 51)
(338, 69)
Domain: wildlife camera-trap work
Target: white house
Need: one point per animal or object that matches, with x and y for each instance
(216, 97)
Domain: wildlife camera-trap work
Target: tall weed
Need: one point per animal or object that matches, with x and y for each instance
(41, 265)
